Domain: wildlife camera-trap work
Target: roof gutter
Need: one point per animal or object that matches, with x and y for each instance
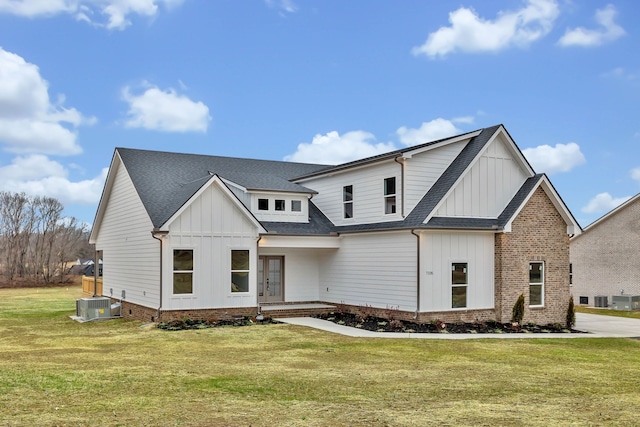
(417, 273)
(159, 235)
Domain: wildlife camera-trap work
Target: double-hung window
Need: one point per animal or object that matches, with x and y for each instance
(183, 271)
(390, 195)
(347, 200)
(239, 271)
(536, 283)
(459, 283)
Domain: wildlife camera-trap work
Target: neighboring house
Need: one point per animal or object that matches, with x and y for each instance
(604, 258)
(454, 229)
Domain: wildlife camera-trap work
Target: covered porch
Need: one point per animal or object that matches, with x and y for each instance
(289, 271)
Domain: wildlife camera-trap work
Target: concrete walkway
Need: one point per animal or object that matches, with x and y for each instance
(595, 325)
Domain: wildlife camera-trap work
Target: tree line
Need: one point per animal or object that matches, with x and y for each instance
(36, 240)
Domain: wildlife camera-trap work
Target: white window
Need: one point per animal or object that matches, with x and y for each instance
(240, 271)
(536, 283)
(390, 195)
(459, 283)
(279, 205)
(296, 206)
(347, 199)
(183, 271)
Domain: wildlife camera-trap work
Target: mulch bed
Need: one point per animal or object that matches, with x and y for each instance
(377, 324)
(181, 325)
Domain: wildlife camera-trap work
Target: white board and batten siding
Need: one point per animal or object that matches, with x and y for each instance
(487, 188)
(374, 269)
(424, 169)
(212, 225)
(439, 250)
(368, 193)
(131, 255)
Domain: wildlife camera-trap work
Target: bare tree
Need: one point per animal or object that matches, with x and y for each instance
(13, 209)
(35, 239)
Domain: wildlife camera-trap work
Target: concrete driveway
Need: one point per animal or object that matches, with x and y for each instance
(595, 325)
(608, 326)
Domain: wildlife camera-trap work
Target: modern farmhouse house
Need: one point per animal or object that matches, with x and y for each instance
(604, 258)
(454, 229)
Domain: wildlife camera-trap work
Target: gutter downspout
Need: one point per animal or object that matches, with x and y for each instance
(418, 274)
(259, 315)
(395, 159)
(154, 233)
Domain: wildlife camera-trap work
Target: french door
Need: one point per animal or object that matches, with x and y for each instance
(270, 279)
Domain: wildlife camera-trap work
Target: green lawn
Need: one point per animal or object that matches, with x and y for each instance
(607, 312)
(57, 372)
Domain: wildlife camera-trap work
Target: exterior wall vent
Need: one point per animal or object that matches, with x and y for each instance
(93, 308)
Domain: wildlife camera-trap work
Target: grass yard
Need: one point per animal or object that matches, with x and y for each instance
(57, 372)
(606, 312)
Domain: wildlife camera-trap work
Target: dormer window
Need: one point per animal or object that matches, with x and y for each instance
(263, 204)
(390, 195)
(296, 206)
(279, 205)
(347, 200)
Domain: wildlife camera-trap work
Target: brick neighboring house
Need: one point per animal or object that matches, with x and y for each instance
(605, 257)
(454, 229)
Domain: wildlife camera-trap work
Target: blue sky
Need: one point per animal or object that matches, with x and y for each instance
(317, 81)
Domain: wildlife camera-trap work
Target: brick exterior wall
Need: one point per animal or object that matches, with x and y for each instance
(605, 257)
(538, 233)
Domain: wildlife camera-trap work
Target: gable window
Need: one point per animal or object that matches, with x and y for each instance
(347, 200)
(263, 204)
(536, 283)
(459, 282)
(279, 205)
(390, 195)
(296, 206)
(239, 271)
(182, 271)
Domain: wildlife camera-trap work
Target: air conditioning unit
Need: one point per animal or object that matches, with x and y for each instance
(625, 302)
(600, 301)
(93, 308)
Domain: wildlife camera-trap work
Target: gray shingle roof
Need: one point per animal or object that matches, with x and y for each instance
(166, 181)
(318, 224)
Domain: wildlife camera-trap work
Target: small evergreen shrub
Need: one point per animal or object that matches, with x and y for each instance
(571, 314)
(518, 310)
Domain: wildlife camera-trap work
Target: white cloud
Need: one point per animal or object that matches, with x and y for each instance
(37, 175)
(156, 109)
(117, 12)
(635, 174)
(429, 131)
(561, 158)
(607, 32)
(29, 122)
(334, 149)
(287, 6)
(470, 33)
(603, 202)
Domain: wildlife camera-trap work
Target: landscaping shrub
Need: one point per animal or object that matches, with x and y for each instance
(517, 314)
(571, 314)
